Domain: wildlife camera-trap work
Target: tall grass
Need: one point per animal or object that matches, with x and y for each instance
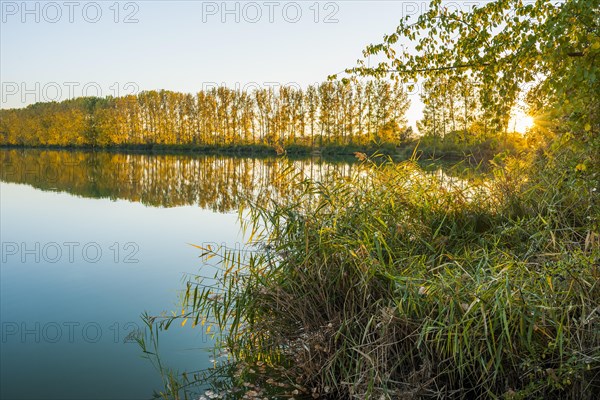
(401, 284)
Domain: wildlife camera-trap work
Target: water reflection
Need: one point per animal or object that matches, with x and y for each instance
(215, 183)
(190, 199)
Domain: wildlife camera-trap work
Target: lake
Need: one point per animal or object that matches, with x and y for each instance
(91, 240)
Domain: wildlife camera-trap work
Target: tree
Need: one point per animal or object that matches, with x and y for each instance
(505, 44)
(339, 113)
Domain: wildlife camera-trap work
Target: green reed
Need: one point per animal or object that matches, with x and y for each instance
(396, 283)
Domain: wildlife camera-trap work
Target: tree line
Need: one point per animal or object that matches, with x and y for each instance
(330, 113)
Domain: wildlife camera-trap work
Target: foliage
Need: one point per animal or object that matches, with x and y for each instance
(505, 46)
(333, 113)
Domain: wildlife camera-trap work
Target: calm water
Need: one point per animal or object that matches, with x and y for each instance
(92, 240)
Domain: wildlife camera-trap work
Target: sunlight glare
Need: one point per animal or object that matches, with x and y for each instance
(522, 122)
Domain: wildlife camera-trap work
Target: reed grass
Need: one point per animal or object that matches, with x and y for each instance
(402, 284)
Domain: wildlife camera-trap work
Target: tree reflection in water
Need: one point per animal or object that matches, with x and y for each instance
(216, 183)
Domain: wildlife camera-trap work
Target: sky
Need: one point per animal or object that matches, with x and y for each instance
(64, 49)
(55, 50)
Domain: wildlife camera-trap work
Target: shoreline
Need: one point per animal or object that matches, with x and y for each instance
(402, 152)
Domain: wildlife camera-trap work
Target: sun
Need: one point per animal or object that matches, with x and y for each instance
(521, 122)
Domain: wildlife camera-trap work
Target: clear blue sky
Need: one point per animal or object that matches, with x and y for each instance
(182, 45)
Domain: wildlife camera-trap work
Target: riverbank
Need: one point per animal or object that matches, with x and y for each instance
(234, 149)
(442, 151)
